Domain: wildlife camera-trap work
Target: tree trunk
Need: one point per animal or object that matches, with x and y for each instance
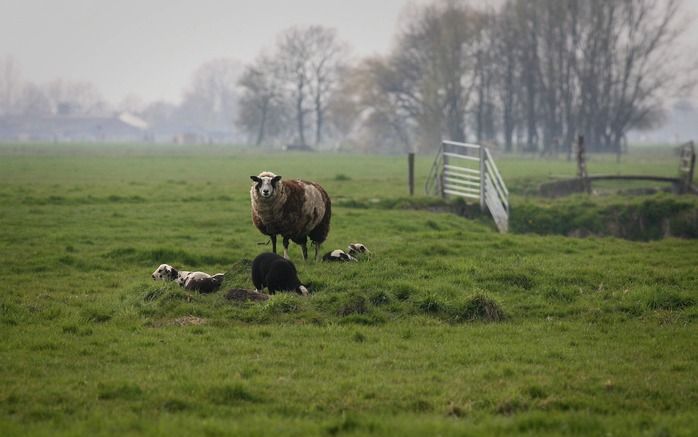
(319, 120)
(300, 113)
(262, 123)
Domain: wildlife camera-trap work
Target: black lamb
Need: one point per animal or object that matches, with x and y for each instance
(276, 273)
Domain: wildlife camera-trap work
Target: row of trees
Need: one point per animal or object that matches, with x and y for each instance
(19, 97)
(532, 74)
(209, 103)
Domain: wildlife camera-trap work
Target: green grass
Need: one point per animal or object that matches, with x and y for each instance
(449, 328)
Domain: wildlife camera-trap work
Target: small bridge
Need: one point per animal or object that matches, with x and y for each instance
(468, 171)
(682, 184)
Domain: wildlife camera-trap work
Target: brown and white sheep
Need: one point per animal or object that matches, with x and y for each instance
(296, 210)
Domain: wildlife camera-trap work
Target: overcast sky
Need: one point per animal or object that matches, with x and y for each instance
(151, 47)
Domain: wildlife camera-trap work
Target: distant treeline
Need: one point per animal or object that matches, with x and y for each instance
(528, 76)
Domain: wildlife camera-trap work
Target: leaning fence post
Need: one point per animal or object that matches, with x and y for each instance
(444, 163)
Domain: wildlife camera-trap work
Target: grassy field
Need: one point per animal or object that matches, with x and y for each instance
(449, 329)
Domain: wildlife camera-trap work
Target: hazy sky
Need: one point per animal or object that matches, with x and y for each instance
(151, 47)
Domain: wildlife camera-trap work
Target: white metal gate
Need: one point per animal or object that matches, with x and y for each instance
(468, 170)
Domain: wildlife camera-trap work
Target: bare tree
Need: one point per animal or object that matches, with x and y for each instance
(485, 71)
(293, 52)
(386, 124)
(10, 85)
(33, 101)
(506, 52)
(211, 100)
(327, 59)
(596, 68)
(311, 59)
(67, 97)
(431, 73)
(261, 99)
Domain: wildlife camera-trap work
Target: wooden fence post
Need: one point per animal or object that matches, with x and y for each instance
(410, 172)
(582, 165)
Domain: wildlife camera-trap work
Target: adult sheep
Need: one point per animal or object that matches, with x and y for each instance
(296, 210)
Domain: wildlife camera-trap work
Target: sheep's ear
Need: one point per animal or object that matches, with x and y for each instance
(275, 179)
(255, 179)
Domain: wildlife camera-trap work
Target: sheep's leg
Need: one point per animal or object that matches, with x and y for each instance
(317, 250)
(285, 247)
(273, 242)
(304, 247)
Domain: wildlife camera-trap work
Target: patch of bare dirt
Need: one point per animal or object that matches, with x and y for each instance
(243, 295)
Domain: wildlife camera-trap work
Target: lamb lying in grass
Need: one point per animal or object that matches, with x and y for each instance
(195, 281)
(356, 249)
(338, 255)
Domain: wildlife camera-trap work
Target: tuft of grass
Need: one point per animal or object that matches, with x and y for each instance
(121, 391)
(479, 308)
(430, 304)
(535, 392)
(509, 407)
(282, 303)
(97, 314)
(175, 405)
(379, 297)
(354, 303)
(667, 300)
(403, 290)
(359, 337)
(232, 394)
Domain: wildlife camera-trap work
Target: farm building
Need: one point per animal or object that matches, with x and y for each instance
(121, 127)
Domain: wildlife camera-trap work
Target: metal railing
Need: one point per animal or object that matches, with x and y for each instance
(468, 171)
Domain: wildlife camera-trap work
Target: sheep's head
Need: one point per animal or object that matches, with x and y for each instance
(266, 184)
(357, 249)
(165, 272)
